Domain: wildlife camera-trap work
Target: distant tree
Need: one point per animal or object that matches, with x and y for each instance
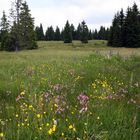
(73, 32)
(101, 33)
(84, 33)
(62, 34)
(26, 26)
(67, 33)
(39, 33)
(57, 35)
(78, 32)
(95, 34)
(4, 31)
(90, 36)
(49, 36)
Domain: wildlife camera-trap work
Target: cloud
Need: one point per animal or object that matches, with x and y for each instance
(55, 12)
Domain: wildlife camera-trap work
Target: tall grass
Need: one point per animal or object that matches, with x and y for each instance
(69, 93)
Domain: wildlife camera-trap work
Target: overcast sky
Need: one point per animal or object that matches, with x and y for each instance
(56, 12)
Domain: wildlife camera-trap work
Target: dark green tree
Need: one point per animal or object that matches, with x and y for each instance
(78, 32)
(26, 28)
(132, 27)
(57, 34)
(95, 34)
(50, 34)
(39, 33)
(84, 33)
(4, 31)
(67, 33)
(90, 37)
(73, 32)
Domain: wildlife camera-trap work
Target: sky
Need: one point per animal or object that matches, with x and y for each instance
(57, 12)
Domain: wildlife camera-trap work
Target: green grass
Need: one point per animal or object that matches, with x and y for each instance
(39, 92)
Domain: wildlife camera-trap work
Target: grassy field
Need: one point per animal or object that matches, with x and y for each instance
(70, 92)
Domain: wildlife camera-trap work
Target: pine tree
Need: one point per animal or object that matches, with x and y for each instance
(73, 32)
(84, 33)
(132, 27)
(78, 32)
(39, 33)
(57, 34)
(90, 37)
(50, 34)
(67, 33)
(26, 29)
(4, 31)
(95, 34)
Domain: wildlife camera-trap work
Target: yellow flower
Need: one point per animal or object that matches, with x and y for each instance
(16, 115)
(22, 124)
(1, 135)
(55, 105)
(38, 116)
(94, 85)
(70, 126)
(50, 131)
(30, 106)
(22, 93)
(74, 129)
(98, 118)
(62, 134)
(47, 124)
(54, 128)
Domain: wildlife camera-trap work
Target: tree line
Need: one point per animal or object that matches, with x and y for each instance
(74, 33)
(125, 29)
(18, 32)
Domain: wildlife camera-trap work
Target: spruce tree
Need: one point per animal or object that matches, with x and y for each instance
(90, 37)
(84, 33)
(4, 31)
(50, 34)
(73, 32)
(57, 34)
(133, 29)
(26, 29)
(39, 33)
(67, 33)
(78, 32)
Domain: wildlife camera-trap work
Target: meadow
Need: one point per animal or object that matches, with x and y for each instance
(70, 92)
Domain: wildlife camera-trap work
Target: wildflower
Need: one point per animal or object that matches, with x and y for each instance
(71, 127)
(55, 105)
(22, 93)
(22, 124)
(16, 115)
(54, 128)
(30, 106)
(94, 85)
(38, 116)
(50, 131)
(40, 128)
(62, 134)
(83, 100)
(1, 135)
(47, 124)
